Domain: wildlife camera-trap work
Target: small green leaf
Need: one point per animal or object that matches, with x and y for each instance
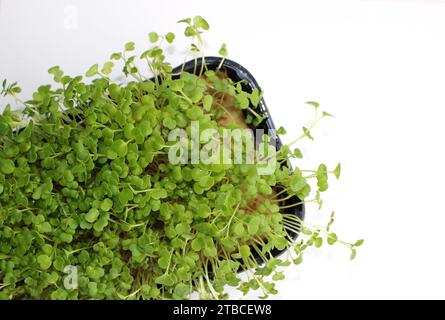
(120, 147)
(296, 183)
(44, 261)
(223, 51)
(153, 37)
(281, 131)
(170, 37)
(164, 260)
(337, 171)
(210, 252)
(56, 72)
(108, 67)
(7, 166)
(278, 276)
(81, 152)
(186, 20)
(44, 227)
(207, 102)
(298, 260)
(358, 243)
(169, 123)
(255, 97)
(353, 254)
(116, 56)
(189, 32)
(101, 223)
(197, 244)
(238, 229)
(92, 215)
(66, 237)
(331, 238)
(253, 225)
(182, 290)
(92, 71)
(92, 289)
(244, 251)
(322, 178)
(194, 113)
(165, 279)
(106, 205)
(313, 103)
(16, 89)
(297, 153)
(129, 46)
(318, 242)
(200, 23)
(307, 133)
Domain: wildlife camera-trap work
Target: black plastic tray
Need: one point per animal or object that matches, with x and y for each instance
(237, 73)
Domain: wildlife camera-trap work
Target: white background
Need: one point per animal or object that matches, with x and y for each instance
(378, 66)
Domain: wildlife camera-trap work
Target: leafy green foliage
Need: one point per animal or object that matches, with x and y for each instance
(85, 181)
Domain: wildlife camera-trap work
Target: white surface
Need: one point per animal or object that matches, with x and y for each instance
(378, 66)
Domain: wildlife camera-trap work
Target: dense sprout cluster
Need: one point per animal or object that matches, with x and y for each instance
(85, 182)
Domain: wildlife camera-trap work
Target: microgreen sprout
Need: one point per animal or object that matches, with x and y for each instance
(86, 183)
